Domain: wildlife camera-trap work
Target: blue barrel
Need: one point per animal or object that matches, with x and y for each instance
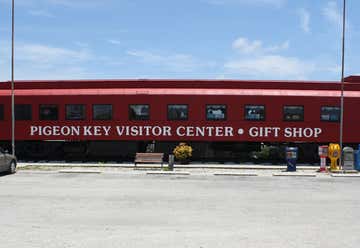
(357, 159)
(291, 155)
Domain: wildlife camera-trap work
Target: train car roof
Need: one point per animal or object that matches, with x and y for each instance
(178, 91)
(351, 83)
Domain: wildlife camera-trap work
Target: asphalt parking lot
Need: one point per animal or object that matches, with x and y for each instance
(52, 209)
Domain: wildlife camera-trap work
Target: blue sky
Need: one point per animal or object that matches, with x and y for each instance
(210, 39)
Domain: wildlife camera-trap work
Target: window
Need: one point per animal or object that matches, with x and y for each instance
(23, 112)
(215, 112)
(330, 114)
(293, 113)
(75, 112)
(177, 112)
(139, 112)
(48, 112)
(102, 112)
(1, 112)
(254, 112)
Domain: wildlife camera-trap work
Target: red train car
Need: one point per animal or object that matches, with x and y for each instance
(222, 119)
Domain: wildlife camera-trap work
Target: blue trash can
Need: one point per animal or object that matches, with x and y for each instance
(357, 159)
(291, 158)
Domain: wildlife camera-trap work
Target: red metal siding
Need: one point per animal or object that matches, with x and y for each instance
(274, 95)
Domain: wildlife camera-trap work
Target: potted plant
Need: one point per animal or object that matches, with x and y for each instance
(182, 153)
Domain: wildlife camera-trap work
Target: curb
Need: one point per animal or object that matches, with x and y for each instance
(344, 175)
(168, 173)
(236, 174)
(292, 174)
(80, 171)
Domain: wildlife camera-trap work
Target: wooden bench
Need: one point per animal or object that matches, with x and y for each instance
(149, 158)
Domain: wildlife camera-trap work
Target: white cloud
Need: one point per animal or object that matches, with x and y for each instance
(65, 3)
(245, 46)
(38, 61)
(276, 48)
(332, 13)
(304, 20)
(44, 54)
(41, 13)
(257, 60)
(272, 66)
(114, 42)
(276, 3)
(24, 72)
(173, 62)
(81, 44)
(78, 3)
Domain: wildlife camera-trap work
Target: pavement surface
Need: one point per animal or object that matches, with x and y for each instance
(135, 209)
(193, 169)
(193, 165)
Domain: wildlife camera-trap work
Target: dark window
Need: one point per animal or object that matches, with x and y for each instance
(139, 112)
(177, 112)
(48, 112)
(102, 112)
(215, 112)
(254, 112)
(293, 113)
(23, 112)
(1, 112)
(75, 112)
(330, 113)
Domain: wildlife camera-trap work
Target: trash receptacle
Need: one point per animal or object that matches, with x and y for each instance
(171, 162)
(334, 155)
(291, 158)
(323, 153)
(357, 159)
(348, 158)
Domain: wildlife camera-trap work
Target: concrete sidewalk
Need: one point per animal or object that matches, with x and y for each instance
(193, 169)
(225, 166)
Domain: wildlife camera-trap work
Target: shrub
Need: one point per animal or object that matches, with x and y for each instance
(182, 151)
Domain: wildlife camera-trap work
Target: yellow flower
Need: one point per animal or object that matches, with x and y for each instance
(182, 151)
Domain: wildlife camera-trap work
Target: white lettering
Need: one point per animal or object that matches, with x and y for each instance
(156, 131)
(134, 131)
(56, 130)
(106, 130)
(167, 131)
(254, 132)
(189, 131)
(97, 131)
(120, 130)
(180, 131)
(308, 132)
(33, 130)
(317, 131)
(87, 131)
(47, 130)
(65, 130)
(276, 131)
(147, 130)
(209, 129)
(288, 132)
(219, 131)
(200, 131)
(229, 131)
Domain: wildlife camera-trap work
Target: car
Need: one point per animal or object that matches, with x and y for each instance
(7, 162)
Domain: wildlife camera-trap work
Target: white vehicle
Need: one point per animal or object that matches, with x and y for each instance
(7, 162)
